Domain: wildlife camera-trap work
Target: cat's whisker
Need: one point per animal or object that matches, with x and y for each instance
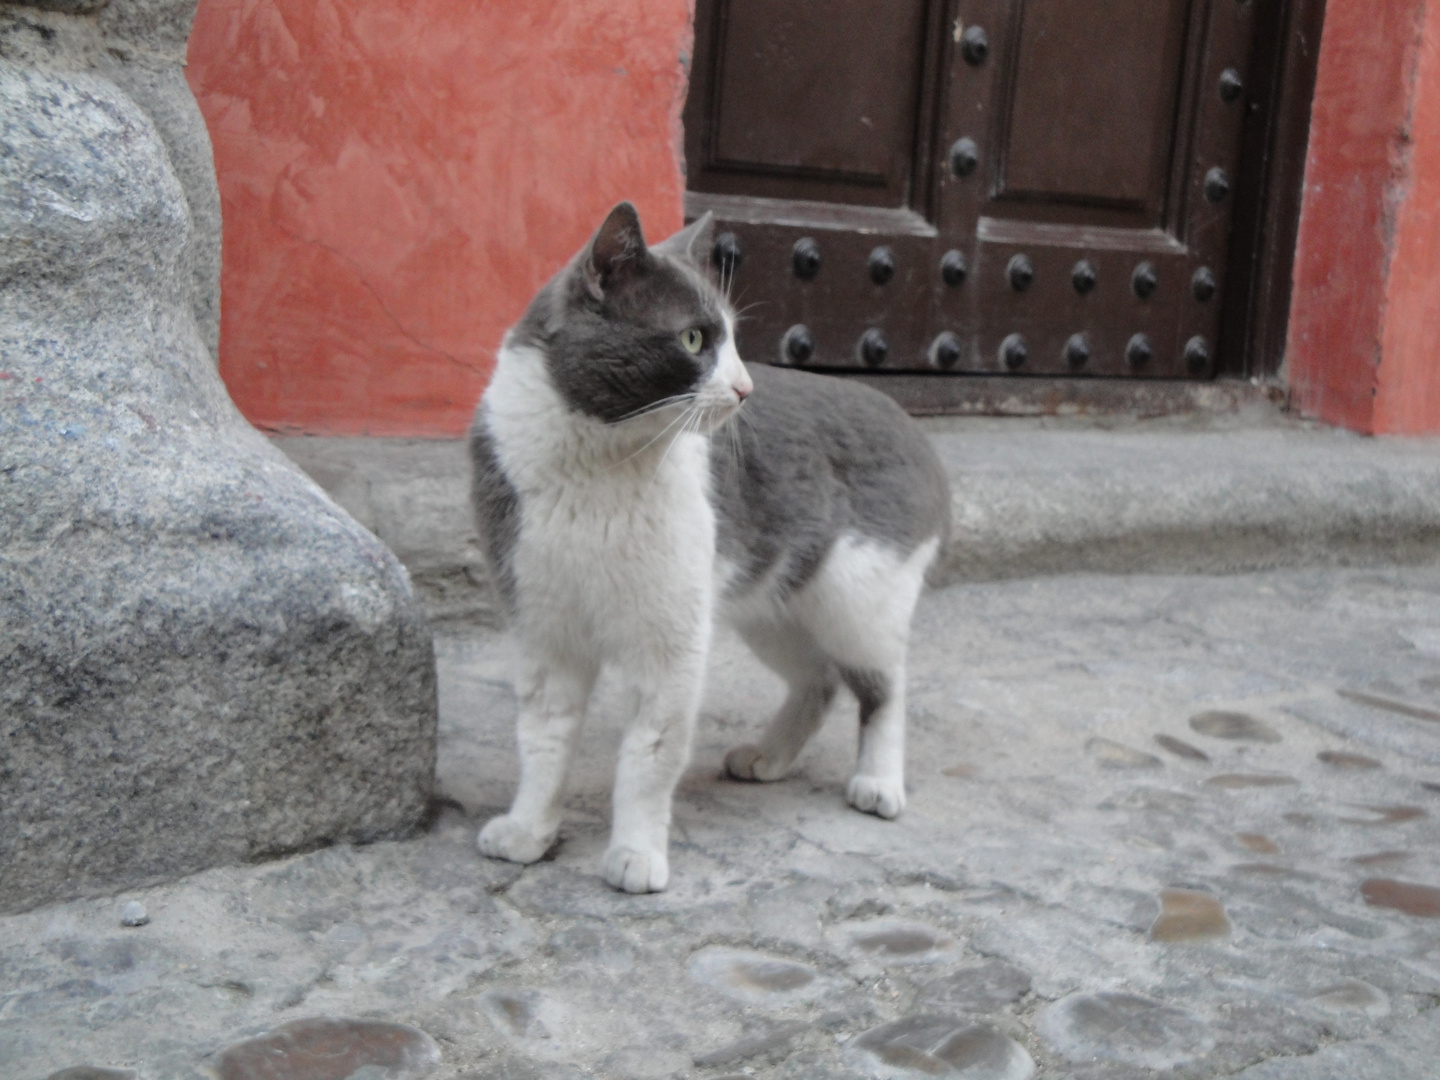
(656, 406)
(692, 413)
(731, 431)
(743, 314)
(654, 438)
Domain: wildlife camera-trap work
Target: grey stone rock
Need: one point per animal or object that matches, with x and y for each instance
(1342, 760)
(414, 494)
(1222, 724)
(645, 1062)
(770, 1043)
(515, 1013)
(587, 943)
(202, 658)
(788, 915)
(1373, 725)
(1180, 748)
(756, 978)
(1277, 906)
(164, 96)
(152, 31)
(936, 1045)
(91, 1072)
(982, 989)
(69, 7)
(510, 1068)
(1407, 1051)
(1125, 1028)
(1352, 995)
(519, 1068)
(134, 914)
(1114, 755)
(899, 941)
(341, 1048)
(1189, 915)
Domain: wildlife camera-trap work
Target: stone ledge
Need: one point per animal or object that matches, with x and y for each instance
(1031, 497)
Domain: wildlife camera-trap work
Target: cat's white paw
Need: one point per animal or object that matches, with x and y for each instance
(505, 838)
(876, 795)
(636, 871)
(747, 763)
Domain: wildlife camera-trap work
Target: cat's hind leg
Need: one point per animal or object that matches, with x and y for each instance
(788, 649)
(878, 786)
(553, 696)
(858, 609)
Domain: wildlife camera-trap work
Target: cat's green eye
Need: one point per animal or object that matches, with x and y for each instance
(693, 340)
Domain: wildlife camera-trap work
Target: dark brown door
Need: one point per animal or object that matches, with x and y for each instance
(986, 186)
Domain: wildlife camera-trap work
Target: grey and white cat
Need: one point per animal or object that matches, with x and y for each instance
(619, 517)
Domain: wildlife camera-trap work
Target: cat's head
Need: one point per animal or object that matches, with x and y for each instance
(631, 332)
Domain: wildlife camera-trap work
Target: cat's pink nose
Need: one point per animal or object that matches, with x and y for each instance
(742, 387)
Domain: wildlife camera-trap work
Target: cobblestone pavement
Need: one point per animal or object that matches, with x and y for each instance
(1158, 826)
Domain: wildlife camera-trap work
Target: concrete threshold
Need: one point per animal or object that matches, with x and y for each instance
(1032, 496)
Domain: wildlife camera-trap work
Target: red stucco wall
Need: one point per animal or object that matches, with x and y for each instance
(397, 177)
(1407, 397)
(1365, 313)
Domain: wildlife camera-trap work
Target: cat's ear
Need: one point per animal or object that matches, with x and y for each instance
(616, 250)
(693, 242)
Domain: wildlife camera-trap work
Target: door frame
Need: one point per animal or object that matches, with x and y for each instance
(1267, 215)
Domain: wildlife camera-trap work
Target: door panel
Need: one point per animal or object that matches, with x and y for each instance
(858, 129)
(784, 122)
(1093, 104)
(1048, 181)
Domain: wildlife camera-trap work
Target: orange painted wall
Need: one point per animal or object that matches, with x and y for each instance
(1365, 313)
(1407, 397)
(397, 177)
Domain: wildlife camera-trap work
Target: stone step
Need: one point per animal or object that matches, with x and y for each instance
(1032, 496)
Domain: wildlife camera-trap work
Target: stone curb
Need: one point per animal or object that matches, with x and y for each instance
(1031, 500)
(1031, 497)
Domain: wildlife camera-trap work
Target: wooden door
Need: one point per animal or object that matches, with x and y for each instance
(1031, 187)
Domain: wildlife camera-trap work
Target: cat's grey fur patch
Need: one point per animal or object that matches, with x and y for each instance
(497, 509)
(814, 457)
(872, 690)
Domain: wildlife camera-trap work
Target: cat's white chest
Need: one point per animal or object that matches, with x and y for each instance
(611, 552)
(628, 533)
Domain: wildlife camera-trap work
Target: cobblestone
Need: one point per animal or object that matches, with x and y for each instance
(1037, 911)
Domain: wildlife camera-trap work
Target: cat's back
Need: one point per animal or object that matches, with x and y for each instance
(811, 458)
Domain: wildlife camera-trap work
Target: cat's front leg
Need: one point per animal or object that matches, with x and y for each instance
(553, 696)
(653, 756)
